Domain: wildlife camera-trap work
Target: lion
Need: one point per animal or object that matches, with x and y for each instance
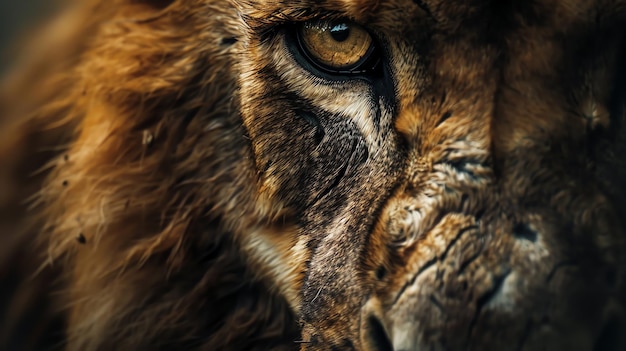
(316, 175)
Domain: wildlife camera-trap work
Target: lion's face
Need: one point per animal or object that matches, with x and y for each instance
(454, 191)
(327, 175)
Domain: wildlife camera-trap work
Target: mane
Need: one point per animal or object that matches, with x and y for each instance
(140, 184)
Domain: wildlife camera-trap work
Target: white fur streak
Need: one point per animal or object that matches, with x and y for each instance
(354, 100)
(280, 265)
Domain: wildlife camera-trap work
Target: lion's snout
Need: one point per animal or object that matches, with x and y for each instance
(489, 281)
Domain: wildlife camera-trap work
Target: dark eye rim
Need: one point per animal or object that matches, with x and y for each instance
(367, 66)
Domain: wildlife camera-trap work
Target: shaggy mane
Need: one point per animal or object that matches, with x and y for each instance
(123, 109)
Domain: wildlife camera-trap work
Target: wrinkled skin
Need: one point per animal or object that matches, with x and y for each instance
(210, 190)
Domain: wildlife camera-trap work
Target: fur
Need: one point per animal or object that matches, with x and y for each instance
(174, 177)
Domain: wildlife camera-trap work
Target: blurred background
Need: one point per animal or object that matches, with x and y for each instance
(17, 17)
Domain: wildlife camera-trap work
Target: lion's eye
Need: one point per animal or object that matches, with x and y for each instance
(337, 46)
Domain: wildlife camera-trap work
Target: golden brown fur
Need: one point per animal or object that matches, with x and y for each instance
(172, 178)
(129, 103)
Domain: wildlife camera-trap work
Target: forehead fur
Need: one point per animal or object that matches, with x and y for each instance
(414, 18)
(358, 10)
(362, 10)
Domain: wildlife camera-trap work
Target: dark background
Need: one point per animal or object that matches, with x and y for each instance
(16, 18)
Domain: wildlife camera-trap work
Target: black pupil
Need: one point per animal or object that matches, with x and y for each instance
(340, 32)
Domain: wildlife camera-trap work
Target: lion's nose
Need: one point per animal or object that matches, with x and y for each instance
(374, 335)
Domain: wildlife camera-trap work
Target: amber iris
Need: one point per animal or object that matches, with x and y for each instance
(338, 45)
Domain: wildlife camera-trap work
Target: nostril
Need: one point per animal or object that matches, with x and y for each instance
(375, 337)
(610, 336)
(524, 231)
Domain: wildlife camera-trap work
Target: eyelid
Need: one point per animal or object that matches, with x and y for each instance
(262, 26)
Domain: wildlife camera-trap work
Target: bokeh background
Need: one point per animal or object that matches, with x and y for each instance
(17, 17)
